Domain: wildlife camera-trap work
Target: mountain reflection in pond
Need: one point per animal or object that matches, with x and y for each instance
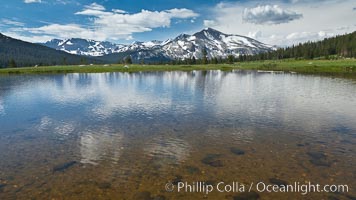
(125, 135)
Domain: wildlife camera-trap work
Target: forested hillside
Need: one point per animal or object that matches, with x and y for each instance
(17, 53)
(329, 48)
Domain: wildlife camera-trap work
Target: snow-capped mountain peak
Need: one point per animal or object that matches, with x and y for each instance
(216, 43)
(83, 46)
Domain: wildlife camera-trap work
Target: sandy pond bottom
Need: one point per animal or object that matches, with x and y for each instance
(125, 136)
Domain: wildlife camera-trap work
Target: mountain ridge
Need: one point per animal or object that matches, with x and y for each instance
(17, 53)
(184, 46)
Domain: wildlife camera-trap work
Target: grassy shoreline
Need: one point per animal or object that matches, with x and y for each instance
(347, 66)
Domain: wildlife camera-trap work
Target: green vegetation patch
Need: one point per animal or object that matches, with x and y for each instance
(346, 66)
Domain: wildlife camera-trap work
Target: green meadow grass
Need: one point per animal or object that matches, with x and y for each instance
(345, 66)
(112, 68)
(304, 66)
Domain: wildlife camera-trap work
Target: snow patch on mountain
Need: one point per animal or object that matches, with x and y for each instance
(216, 44)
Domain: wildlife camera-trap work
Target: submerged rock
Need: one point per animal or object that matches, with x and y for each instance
(342, 130)
(64, 166)
(350, 197)
(210, 182)
(192, 169)
(319, 159)
(247, 196)
(2, 186)
(278, 182)
(333, 198)
(317, 155)
(145, 195)
(322, 163)
(216, 163)
(177, 179)
(159, 197)
(347, 142)
(213, 160)
(237, 151)
(104, 185)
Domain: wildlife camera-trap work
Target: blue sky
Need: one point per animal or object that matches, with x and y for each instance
(278, 22)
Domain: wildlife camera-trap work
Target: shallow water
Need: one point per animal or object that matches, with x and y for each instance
(125, 135)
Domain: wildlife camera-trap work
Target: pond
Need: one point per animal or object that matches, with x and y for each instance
(132, 135)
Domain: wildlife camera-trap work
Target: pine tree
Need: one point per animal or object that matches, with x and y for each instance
(142, 61)
(329, 48)
(193, 61)
(230, 59)
(205, 57)
(128, 60)
(214, 61)
(12, 63)
(64, 60)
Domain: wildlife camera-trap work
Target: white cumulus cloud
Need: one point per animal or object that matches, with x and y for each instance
(95, 6)
(251, 19)
(32, 1)
(209, 23)
(254, 34)
(269, 14)
(303, 36)
(11, 22)
(114, 24)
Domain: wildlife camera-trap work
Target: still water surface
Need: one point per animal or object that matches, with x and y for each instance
(125, 135)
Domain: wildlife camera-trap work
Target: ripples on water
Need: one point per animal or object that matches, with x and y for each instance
(81, 136)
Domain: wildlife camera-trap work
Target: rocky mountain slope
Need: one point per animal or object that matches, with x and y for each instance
(17, 53)
(216, 44)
